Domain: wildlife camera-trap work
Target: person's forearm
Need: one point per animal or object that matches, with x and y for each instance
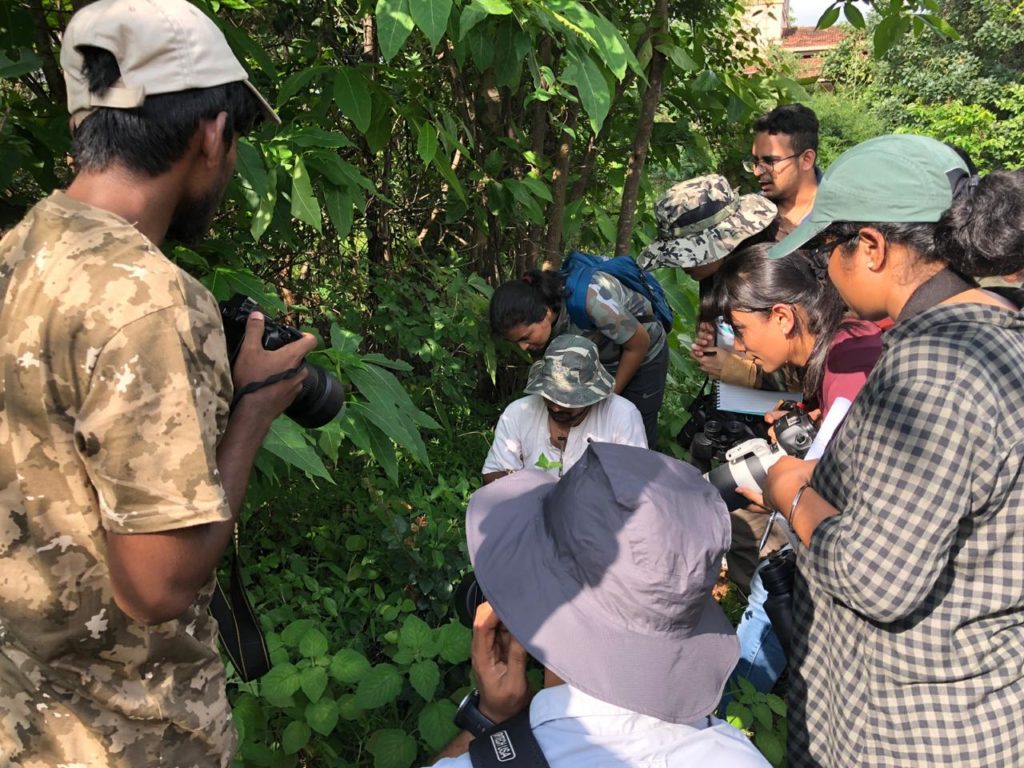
(629, 364)
(809, 514)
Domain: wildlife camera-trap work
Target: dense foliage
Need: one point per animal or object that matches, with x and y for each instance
(967, 90)
(429, 149)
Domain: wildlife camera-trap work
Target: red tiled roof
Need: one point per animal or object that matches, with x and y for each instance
(812, 37)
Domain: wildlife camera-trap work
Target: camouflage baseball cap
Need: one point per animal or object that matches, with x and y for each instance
(571, 374)
(161, 46)
(701, 221)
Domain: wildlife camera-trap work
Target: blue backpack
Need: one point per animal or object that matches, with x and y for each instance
(578, 269)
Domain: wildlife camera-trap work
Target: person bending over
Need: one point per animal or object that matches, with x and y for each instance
(570, 405)
(532, 311)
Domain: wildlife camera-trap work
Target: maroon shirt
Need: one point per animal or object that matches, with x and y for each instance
(854, 351)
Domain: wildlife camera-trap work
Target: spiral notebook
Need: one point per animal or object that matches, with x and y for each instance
(731, 397)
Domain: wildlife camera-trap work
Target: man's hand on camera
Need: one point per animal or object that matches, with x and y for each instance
(255, 364)
(499, 661)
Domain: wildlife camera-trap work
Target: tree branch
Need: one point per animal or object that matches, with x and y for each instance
(41, 33)
(642, 138)
(559, 184)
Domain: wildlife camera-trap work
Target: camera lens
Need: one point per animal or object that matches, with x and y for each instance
(320, 399)
(468, 597)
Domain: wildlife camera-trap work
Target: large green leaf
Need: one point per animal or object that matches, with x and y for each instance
(295, 737)
(392, 423)
(264, 214)
(305, 206)
(314, 682)
(595, 95)
(224, 282)
(322, 716)
(349, 666)
(278, 685)
(436, 724)
(252, 168)
(392, 748)
(352, 95)
(313, 643)
(340, 210)
(29, 61)
(426, 142)
(394, 25)
(425, 677)
(431, 16)
(318, 137)
(288, 441)
(380, 686)
(454, 639)
(417, 636)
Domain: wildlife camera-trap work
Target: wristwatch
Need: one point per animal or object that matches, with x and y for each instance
(469, 717)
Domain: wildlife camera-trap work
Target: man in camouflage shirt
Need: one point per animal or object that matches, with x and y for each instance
(121, 475)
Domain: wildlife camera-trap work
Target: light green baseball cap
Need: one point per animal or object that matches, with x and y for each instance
(899, 178)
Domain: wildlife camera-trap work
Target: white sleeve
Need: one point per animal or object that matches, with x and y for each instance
(507, 449)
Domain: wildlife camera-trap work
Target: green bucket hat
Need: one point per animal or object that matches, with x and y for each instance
(571, 374)
(900, 178)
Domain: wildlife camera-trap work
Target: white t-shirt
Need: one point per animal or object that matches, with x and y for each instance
(575, 730)
(522, 438)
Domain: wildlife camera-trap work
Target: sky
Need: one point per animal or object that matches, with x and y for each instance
(808, 12)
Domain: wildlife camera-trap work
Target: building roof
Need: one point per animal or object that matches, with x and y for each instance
(812, 38)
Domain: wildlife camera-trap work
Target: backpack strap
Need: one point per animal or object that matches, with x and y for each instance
(508, 745)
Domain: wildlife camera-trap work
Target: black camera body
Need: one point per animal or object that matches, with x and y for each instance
(322, 396)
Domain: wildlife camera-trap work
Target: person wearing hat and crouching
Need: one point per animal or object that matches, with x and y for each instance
(121, 473)
(605, 578)
(570, 405)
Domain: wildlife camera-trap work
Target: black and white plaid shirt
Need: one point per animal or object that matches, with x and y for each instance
(909, 605)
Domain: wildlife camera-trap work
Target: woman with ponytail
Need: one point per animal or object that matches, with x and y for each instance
(908, 608)
(532, 311)
(785, 311)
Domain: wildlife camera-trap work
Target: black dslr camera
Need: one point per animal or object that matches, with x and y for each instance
(746, 465)
(322, 395)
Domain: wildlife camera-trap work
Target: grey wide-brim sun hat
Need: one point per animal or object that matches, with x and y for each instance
(570, 374)
(701, 221)
(605, 577)
(899, 178)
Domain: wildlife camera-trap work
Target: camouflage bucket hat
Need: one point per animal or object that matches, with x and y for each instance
(571, 374)
(701, 221)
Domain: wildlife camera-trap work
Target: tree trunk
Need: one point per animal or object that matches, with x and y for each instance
(41, 33)
(538, 136)
(642, 139)
(559, 184)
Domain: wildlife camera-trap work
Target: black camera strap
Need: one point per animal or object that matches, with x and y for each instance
(936, 289)
(239, 630)
(509, 744)
(273, 379)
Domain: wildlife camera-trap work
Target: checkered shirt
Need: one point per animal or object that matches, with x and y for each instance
(909, 605)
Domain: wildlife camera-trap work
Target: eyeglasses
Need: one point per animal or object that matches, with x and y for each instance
(824, 251)
(752, 164)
